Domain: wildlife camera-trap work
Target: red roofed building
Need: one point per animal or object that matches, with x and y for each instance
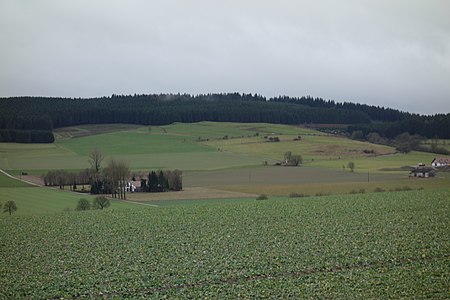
(441, 162)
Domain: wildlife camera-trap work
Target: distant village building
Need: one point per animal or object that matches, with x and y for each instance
(441, 162)
(130, 187)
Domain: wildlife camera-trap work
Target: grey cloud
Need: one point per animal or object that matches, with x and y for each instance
(390, 53)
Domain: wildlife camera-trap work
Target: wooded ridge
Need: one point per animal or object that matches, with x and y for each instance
(32, 119)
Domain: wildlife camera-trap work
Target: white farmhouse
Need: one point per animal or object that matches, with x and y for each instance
(441, 162)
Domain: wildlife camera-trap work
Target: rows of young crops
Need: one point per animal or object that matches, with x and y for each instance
(371, 245)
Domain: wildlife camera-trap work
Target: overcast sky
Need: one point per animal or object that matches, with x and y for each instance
(382, 52)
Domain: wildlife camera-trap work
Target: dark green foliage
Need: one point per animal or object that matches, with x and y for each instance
(100, 202)
(152, 182)
(262, 197)
(83, 204)
(9, 207)
(144, 186)
(357, 135)
(99, 186)
(41, 115)
(38, 116)
(163, 181)
(292, 159)
(427, 126)
(351, 166)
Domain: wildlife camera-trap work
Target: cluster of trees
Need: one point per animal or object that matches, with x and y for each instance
(376, 113)
(112, 179)
(24, 128)
(426, 126)
(26, 136)
(162, 181)
(99, 202)
(63, 178)
(403, 142)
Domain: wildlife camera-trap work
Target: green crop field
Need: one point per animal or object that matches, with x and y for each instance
(374, 246)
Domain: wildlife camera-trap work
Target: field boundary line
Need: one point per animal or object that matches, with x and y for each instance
(140, 203)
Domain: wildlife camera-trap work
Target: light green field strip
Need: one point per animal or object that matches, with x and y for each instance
(6, 180)
(41, 200)
(177, 146)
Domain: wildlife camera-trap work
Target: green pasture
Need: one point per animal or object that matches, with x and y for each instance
(384, 164)
(215, 130)
(6, 181)
(32, 200)
(178, 146)
(365, 246)
(321, 148)
(40, 200)
(130, 143)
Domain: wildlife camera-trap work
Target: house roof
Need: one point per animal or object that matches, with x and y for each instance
(442, 160)
(422, 170)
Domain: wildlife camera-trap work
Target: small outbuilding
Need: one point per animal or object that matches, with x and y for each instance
(422, 172)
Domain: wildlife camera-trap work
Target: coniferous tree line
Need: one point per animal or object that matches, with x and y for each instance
(162, 181)
(32, 119)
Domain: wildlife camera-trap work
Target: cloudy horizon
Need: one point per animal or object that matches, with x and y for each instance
(388, 53)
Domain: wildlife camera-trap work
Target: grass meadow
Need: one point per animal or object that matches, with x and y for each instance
(370, 246)
(228, 156)
(32, 200)
(200, 146)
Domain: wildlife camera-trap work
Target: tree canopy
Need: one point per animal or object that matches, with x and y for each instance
(32, 119)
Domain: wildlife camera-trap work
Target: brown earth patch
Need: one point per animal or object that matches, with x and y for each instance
(189, 193)
(31, 178)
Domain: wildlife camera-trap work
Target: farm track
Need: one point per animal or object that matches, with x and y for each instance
(302, 273)
(19, 179)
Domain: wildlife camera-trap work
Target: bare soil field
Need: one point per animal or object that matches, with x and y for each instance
(188, 193)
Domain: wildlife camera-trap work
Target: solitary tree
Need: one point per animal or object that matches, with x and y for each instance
(291, 159)
(101, 202)
(9, 207)
(95, 160)
(83, 204)
(351, 166)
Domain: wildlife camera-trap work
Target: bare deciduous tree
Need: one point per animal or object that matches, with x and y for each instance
(95, 160)
(116, 174)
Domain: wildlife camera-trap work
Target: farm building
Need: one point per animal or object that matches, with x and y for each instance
(423, 172)
(441, 162)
